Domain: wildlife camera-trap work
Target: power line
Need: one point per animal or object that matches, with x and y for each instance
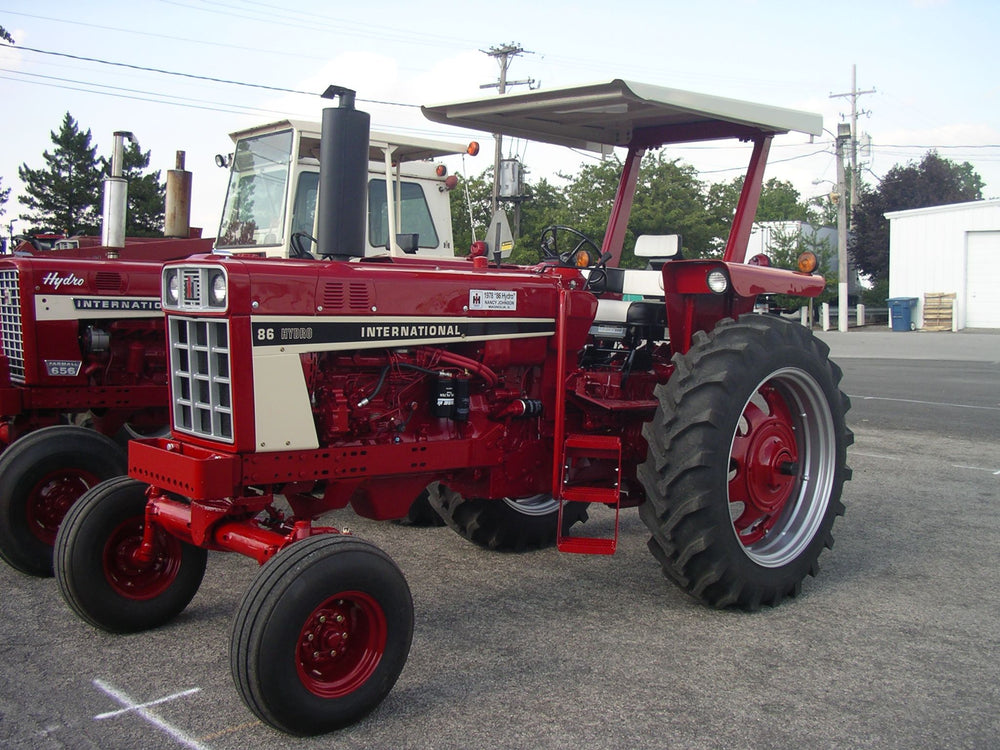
(194, 76)
(144, 98)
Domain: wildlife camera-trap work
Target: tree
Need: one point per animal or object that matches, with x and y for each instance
(779, 201)
(934, 181)
(62, 196)
(4, 195)
(478, 191)
(5, 36)
(146, 194)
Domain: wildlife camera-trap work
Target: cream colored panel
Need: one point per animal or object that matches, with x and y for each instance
(283, 418)
(62, 307)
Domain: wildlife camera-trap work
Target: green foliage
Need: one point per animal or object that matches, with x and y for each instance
(934, 181)
(478, 191)
(4, 195)
(65, 196)
(62, 196)
(5, 35)
(669, 199)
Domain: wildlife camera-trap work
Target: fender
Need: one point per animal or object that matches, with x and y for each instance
(693, 306)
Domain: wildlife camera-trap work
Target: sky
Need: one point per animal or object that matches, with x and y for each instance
(928, 67)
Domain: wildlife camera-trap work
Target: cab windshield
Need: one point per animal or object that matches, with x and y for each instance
(254, 213)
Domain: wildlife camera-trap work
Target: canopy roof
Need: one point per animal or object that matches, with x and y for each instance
(622, 113)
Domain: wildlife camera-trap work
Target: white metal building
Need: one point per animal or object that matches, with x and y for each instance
(949, 249)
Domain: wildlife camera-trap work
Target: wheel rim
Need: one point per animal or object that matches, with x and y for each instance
(534, 505)
(50, 499)
(341, 644)
(781, 467)
(136, 578)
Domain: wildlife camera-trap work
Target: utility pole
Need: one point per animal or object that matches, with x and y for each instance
(843, 135)
(503, 55)
(853, 95)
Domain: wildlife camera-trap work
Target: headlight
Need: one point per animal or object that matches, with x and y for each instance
(172, 287)
(717, 281)
(217, 288)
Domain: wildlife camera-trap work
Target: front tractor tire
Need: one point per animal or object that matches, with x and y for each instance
(507, 524)
(99, 573)
(41, 475)
(746, 463)
(322, 634)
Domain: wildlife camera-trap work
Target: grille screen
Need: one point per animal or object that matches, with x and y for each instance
(10, 324)
(200, 378)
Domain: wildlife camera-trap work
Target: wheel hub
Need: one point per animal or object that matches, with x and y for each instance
(136, 576)
(51, 499)
(341, 644)
(764, 465)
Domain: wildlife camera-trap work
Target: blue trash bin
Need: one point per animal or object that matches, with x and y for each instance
(901, 313)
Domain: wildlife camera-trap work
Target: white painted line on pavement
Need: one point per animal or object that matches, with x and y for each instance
(923, 403)
(143, 711)
(994, 472)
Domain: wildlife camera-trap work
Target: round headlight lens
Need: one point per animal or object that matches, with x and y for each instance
(717, 281)
(218, 288)
(173, 287)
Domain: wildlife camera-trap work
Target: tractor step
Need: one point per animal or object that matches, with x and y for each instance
(594, 455)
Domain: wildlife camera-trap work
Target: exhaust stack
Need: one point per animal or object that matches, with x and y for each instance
(115, 195)
(343, 177)
(177, 211)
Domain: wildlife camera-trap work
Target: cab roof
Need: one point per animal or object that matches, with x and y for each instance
(622, 113)
(405, 147)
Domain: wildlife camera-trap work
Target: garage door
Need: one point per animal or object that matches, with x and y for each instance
(982, 308)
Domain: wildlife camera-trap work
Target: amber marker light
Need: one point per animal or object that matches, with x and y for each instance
(582, 259)
(441, 170)
(807, 262)
(473, 148)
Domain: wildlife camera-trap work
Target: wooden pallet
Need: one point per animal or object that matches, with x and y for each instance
(937, 311)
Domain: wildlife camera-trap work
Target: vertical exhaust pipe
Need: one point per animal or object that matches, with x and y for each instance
(177, 209)
(343, 177)
(115, 196)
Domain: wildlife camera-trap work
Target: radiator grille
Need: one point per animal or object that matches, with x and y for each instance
(10, 323)
(200, 378)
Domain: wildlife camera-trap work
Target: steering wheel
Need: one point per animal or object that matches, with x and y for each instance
(585, 250)
(297, 247)
(549, 242)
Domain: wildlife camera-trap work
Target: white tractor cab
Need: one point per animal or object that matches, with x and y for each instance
(270, 207)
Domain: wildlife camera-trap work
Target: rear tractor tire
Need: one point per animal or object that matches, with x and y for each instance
(421, 512)
(41, 475)
(507, 524)
(747, 462)
(98, 572)
(322, 634)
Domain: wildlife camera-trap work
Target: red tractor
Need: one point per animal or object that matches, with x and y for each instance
(524, 394)
(83, 363)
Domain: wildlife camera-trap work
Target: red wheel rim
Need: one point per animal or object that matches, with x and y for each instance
(764, 465)
(341, 644)
(51, 498)
(135, 578)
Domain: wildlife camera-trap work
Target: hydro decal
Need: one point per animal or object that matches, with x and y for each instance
(373, 332)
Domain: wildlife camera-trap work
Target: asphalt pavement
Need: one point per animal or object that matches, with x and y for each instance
(871, 342)
(893, 645)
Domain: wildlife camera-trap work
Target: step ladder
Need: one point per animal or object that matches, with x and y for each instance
(578, 450)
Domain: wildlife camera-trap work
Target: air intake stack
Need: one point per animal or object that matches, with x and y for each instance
(343, 177)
